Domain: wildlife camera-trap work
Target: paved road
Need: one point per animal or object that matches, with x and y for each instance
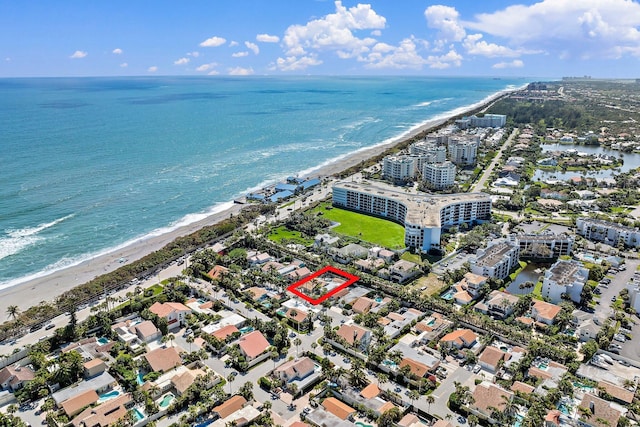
(479, 185)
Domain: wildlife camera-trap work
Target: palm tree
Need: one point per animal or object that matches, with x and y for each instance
(430, 399)
(414, 395)
(314, 345)
(190, 340)
(230, 378)
(13, 311)
(297, 343)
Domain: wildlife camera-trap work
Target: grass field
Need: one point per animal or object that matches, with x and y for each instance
(277, 234)
(370, 229)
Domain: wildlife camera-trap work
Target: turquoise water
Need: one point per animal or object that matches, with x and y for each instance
(140, 378)
(107, 396)
(361, 424)
(518, 422)
(94, 163)
(448, 295)
(138, 414)
(246, 329)
(103, 340)
(166, 400)
(389, 363)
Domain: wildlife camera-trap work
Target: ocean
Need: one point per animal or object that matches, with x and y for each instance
(89, 164)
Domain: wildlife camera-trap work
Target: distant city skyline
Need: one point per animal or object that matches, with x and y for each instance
(548, 38)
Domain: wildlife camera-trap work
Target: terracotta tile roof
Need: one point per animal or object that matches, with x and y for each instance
(408, 420)
(617, 392)
(522, 387)
(296, 315)
(217, 271)
(299, 424)
(75, 404)
(525, 320)
(539, 373)
(553, 416)
(105, 414)
(146, 328)
(234, 404)
(461, 337)
(418, 369)
(163, 359)
(363, 305)
(386, 407)
(423, 327)
(206, 305)
(442, 423)
(414, 311)
(370, 391)
(491, 356)
(486, 395)
(166, 308)
(337, 408)
(395, 316)
(475, 279)
(181, 382)
(255, 292)
(546, 310)
(253, 344)
(297, 368)
(224, 332)
(351, 333)
(384, 321)
(463, 296)
(22, 373)
(93, 363)
(601, 410)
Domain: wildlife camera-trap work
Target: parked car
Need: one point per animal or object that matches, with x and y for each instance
(50, 326)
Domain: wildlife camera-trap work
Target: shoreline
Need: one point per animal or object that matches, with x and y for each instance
(49, 286)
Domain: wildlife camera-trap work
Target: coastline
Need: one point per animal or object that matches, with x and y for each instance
(47, 287)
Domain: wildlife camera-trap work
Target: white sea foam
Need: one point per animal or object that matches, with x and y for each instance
(17, 240)
(424, 104)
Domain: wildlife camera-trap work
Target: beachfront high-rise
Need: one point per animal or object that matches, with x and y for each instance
(486, 121)
(439, 175)
(463, 151)
(435, 153)
(422, 215)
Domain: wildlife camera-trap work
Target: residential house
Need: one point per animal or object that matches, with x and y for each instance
(545, 312)
(601, 412)
(338, 408)
(498, 304)
(489, 397)
(619, 394)
(403, 270)
(105, 414)
(94, 367)
(417, 369)
(460, 339)
(552, 419)
(163, 359)
(363, 305)
(14, 378)
(253, 345)
(296, 369)
(217, 272)
(174, 312)
(491, 359)
(520, 387)
(100, 384)
(468, 288)
(146, 331)
(74, 405)
(234, 411)
(226, 331)
(256, 293)
(355, 336)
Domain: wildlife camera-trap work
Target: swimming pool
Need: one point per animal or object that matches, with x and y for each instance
(378, 299)
(361, 424)
(389, 363)
(140, 378)
(138, 414)
(103, 340)
(448, 295)
(246, 329)
(108, 396)
(166, 400)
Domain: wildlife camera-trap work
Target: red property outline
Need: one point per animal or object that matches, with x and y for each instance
(351, 279)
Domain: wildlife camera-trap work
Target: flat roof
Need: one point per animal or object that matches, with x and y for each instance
(422, 209)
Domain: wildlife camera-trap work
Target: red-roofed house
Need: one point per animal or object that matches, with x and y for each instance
(462, 338)
(338, 408)
(174, 312)
(488, 397)
(355, 335)
(163, 359)
(225, 331)
(491, 358)
(14, 378)
(545, 312)
(217, 272)
(253, 345)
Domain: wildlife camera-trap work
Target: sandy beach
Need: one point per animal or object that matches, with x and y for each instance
(48, 287)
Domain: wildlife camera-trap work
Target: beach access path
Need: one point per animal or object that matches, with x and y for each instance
(479, 185)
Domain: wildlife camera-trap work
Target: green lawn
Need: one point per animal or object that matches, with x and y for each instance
(277, 234)
(370, 229)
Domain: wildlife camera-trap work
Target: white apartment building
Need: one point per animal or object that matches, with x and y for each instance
(564, 277)
(634, 296)
(435, 153)
(399, 168)
(486, 121)
(496, 260)
(422, 215)
(608, 232)
(463, 151)
(439, 175)
(548, 245)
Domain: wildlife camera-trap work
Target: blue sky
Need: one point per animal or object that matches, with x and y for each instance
(547, 38)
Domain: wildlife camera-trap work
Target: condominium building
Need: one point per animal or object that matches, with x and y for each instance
(564, 277)
(486, 121)
(608, 232)
(496, 260)
(423, 215)
(435, 153)
(634, 296)
(439, 175)
(463, 151)
(540, 246)
(399, 168)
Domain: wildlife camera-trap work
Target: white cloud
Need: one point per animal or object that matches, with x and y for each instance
(117, 51)
(206, 67)
(254, 47)
(334, 32)
(403, 56)
(585, 28)
(214, 41)
(516, 63)
(445, 20)
(239, 71)
(240, 54)
(78, 54)
(213, 73)
(152, 69)
(376, 33)
(7, 59)
(475, 46)
(195, 54)
(451, 58)
(124, 65)
(233, 44)
(181, 61)
(292, 63)
(267, 38)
